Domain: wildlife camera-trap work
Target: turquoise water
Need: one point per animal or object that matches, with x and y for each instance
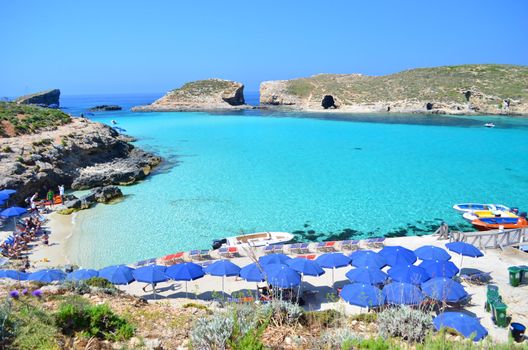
(320, 178)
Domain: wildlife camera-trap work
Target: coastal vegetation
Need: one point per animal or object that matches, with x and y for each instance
(18, 119)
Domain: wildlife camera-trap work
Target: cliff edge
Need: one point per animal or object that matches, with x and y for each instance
(465, 89)
(43, 98)
(200, 95)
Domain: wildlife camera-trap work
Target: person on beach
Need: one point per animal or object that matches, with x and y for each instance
(61, 193)
(33, 201)
(50, 196)
(45, 239)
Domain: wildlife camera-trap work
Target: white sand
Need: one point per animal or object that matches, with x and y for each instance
(55, 254)
(495, 261)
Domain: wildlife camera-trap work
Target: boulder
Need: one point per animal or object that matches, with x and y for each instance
(43, 98)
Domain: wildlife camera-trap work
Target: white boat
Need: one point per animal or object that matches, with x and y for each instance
(258, 239)
(468, 207)
(489, 125)
(479, 214)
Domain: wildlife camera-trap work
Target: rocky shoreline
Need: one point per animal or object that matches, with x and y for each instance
(80, 155)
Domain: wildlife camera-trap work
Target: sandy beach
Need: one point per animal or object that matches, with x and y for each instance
(56, 252)
(314, 289)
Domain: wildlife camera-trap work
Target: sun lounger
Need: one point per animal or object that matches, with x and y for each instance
(278, 248)
(308, 256)
(377, 242)
(228, 252)
(268, 249)
(198, 254)
(350, 245)
(479, 278)
(300, 248)
(326, 246)
(172, 258)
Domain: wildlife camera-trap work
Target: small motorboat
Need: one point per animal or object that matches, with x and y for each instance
(114, 121)
(489, 125)
(478, 214)
(485, 224)
(465, 207)
(258, 239)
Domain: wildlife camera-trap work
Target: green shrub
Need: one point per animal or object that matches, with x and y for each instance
(93, 321)
(7, 149)
(405, 322)
(67, 211)
(337, 338)
(212, 332)
(35, 329)
(7, 324)
(99, 282)
(281, 312)
(369, 343)
(78, 287)
(325, 318)
(369, 317)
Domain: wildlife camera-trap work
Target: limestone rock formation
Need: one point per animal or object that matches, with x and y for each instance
(210, 94)
(97, 195)
(81, 154)
(466, 89)
(43, 98)
(105, 108)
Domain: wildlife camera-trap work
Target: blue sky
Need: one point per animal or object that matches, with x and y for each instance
(85, 47)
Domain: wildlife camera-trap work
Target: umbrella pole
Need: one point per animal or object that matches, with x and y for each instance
(461, 260)
(223, 292)
(153, 291)
(186, 290)
(333, 280)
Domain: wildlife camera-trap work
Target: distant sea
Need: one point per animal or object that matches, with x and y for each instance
(319, 176)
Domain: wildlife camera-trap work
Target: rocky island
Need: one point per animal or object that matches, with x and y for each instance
(465, 89)
(200, 95)
(45, 98)
(105, 108)
(41, 148)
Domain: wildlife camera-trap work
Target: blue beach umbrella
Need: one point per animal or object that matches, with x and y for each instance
(7, 192)
(305, 267)
(14, 274)
(13, 212)
(363, 258)
(408, 274)
(47, 275)
(252, 273)
(464, 324)
(222, 268)
(82, 274)
(4, 196)
(187, 271)
(436, 268)
(333, 261)
(400, 293)
(117, 274)
(150, 274)
(397, 255)
(444, 289)
(430, 252)
(363, 295)
(464, 249)
(282, 276)
(367, 275)
(277, 258)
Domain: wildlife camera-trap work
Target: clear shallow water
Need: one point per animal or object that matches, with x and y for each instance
(254, 171)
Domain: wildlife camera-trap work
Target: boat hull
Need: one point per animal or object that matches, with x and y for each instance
(495, 224)
(258, 239)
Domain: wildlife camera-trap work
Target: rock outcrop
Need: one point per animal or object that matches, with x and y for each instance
(467, 89)
(97, 195)
(105, 108)
(200, 95)
(81, 154)
(43, 98)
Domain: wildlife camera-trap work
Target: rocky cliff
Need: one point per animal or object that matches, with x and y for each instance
(81, 154)
(210, 94)
(42, 98)
(466, 89)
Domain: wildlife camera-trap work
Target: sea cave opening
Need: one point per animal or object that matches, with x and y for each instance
(328, 101)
